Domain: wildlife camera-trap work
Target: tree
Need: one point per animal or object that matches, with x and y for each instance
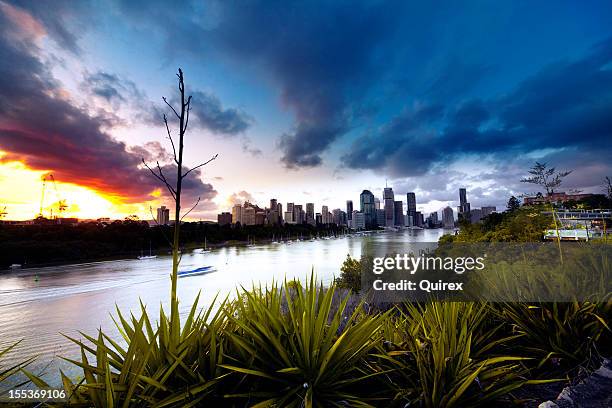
(513, 204)
(547, 178)
(175, 191)
(608, 188)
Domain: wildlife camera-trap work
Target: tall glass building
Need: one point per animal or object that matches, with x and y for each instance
(366, 204)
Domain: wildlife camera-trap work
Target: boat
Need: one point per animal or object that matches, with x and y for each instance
(150, 256)
(15, 266)
(202, 250)
(198, 271)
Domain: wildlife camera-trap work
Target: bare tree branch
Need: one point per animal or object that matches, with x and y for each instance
(200, 165)
(160, 177)
(171, 107)
(192, 208)
(170, 137)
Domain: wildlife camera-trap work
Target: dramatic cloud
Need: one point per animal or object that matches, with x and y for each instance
(566, 105)
(208, 113)
(44, 130)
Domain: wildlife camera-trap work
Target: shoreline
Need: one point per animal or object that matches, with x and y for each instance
(133, 255)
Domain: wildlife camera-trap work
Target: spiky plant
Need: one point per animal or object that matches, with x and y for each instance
(154, 368)
(295, 348)
(565, 333)
(12, 370)
(449, 350)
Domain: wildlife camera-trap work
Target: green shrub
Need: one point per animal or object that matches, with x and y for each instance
(350, 274)
(564, 333)
(291, 350)
(447, 354)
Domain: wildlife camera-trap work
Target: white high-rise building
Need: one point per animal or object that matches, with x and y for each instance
(237, 214)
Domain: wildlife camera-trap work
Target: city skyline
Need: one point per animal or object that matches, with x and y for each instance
(369, 213)
(429, 97)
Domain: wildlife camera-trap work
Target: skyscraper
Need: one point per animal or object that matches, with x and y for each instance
(448, 219)
(310, 214)
(273, 204)
(389, 206)
(464, 207)
(349, 209)
(411, 204)
(380, 217)
(163, 215)
(237, 214)
(377, 203)
(298, 214)
(366, 206)
(398, 213)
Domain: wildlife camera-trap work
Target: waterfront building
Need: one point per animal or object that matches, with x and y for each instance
(298, 214)
(248, 215)
(326, 216)
(224, 218)
(448, 219)
(349, 209)
(380, 216)
(389, 206)
(339, 217)
(418, 219)
(399, 213)
(464, 207)
(237, 214)
(366, 206)
(310, 214)
(163, 215)
(358, 220)
(411, 205)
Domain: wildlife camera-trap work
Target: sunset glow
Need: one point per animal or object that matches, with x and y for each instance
(22, 190)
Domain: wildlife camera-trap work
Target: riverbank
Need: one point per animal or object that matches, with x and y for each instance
(188, 247)
(42, 244)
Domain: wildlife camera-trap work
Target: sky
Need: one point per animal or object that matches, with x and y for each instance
(302, 101)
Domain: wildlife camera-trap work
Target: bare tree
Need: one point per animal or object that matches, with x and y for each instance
(608, 187)
(547, 178)
(182, 116)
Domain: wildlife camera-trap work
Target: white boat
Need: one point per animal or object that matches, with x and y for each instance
(150, 256)
(15, 266)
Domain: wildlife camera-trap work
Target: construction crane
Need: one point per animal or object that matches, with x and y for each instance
(61, 203)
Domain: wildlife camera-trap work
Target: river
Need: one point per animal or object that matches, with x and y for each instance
(37, 304)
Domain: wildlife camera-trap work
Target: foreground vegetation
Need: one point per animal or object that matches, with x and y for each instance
(307, 345)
